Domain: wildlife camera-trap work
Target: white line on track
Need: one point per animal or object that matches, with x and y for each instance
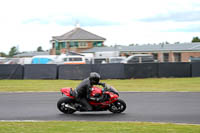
(96, 121)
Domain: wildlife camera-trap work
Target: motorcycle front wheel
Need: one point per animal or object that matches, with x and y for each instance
(65, 105)
(117, 107)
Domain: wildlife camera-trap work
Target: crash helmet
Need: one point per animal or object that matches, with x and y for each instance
(94, 78)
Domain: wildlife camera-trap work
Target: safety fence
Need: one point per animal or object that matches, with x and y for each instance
(107, 71)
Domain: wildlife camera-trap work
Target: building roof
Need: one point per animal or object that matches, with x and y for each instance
(78, 34)
(148, 48)
(31, 54)
(73, 53)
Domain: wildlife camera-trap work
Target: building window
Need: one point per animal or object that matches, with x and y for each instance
(97, 44)
(166, 57)
(59, 45)
(54, 45)
(82, 44)
(155, 56)
(63, 44)
(73, 44)
(177, 57)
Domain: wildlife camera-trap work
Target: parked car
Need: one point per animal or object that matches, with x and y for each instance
(116, 59)
(139, 58)
(99, 60)
(25, 60)
(105, 60)
(74, 60)
(10, 61)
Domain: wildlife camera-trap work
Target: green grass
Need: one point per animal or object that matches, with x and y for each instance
(95, 127)
(140, 85)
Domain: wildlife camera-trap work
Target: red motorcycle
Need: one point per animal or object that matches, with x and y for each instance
(110, 101)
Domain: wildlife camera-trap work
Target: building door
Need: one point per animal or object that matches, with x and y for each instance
(166, 57)
(177, 57)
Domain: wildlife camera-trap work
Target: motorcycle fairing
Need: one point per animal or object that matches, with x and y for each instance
(67, 91)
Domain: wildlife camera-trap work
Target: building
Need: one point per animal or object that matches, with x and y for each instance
(162, 53)
(76, 40)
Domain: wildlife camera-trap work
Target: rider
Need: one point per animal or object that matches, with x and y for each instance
(83, 90)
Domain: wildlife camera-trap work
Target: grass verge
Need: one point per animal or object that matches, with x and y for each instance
(140, 85)
(96, 127)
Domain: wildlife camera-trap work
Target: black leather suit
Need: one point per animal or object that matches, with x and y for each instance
(83, 93)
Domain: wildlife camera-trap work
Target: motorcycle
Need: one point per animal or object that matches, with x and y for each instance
(110, 101)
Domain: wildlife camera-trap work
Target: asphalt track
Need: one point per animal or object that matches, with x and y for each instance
(176, 107)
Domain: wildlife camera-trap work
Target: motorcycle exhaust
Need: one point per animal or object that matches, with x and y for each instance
(68, 106)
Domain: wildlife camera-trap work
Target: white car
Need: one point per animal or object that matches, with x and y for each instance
(74, 60)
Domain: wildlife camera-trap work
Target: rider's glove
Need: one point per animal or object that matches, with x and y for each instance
(92, 98)
(98, 99)
(102, 84)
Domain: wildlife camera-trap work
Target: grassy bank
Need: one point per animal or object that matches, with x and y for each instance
(95, 127)
(140, 85)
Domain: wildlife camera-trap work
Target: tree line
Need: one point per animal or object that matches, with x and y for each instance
(195, 39)
(14, 51)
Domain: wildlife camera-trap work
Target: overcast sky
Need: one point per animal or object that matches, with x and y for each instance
(32, 23)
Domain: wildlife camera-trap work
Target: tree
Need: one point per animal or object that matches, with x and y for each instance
(196, 39)
(132, 44)
(167, 42)
(177, 43)
(2, 54)
(163, 43)
(13, 51)
(39, 49)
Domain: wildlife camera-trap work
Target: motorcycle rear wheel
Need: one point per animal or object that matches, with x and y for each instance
(117, 107)
(61, 105)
